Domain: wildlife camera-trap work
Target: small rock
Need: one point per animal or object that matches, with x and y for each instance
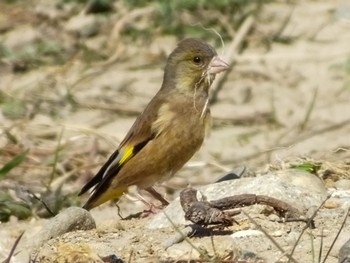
(83, 25)
(331, 204)
(342, 12)
(71, 219)
(343, 184)
(344, 253)
(236, 173)
(303, 179)
(273, 217)
(277, 233)
(246, 233)
(342, 194)
(49, 11)
(20, 37)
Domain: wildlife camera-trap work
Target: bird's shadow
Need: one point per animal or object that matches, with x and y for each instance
(137, 215)
(205, 231)
(197, 230)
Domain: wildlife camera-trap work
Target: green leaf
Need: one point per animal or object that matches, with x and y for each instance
(9, 207)
(14, 108)
(16, 161)
(307, 167)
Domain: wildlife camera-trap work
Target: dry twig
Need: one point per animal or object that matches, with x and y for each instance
(208, 213)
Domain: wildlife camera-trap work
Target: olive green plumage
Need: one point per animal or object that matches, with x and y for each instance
(170, 129)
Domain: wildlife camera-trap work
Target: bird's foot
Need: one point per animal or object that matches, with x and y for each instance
(151, 211)
(152, 208)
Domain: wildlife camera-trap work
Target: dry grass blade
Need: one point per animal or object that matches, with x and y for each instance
(54, 167)
(184, 237)
(289, 256)
(16, 161)
(130, 256)
(337, 235)
(307, 226)
(309, 110)
(321, 247)
(178, 237)
(8, 259)
(123, 109)
(312, 247)
(286, 21)
(42, 202)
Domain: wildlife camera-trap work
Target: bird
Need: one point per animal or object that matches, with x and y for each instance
(168, 132)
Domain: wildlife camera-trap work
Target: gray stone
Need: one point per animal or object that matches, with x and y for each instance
(304, 180)
(20, 37)
(84, 25)
(246, 233)
(343, 184)
(299, 189)
(71, 219)
(344, 253)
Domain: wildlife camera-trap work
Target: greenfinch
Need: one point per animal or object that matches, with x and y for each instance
(168, 132)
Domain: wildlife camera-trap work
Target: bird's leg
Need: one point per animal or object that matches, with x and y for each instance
(157, 196)
(153, 209)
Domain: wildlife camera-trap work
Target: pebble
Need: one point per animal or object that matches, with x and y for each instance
(84, 25)
(246, 233)
(303, 179)
(21, 37)
(343, 184)
(71, 219)
(331, 204)
(344, 253)
(277, 233)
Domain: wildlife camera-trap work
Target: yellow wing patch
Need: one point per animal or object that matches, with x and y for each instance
(129, 152)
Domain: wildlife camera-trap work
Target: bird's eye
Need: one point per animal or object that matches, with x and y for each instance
(197, 60)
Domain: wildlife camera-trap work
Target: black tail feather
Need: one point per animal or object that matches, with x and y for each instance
(99, 176)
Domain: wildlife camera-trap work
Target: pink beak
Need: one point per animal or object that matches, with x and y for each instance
(217, 65)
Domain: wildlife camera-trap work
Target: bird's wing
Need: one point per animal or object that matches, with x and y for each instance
(138, 136)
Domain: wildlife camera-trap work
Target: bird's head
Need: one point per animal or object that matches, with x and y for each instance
(192, 65)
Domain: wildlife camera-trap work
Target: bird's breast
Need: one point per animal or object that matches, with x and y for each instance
(180, 128)
(185, 118)
(179, 131)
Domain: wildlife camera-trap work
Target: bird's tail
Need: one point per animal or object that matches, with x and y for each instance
(99, 197)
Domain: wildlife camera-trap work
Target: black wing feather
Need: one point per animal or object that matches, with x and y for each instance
(98, 177)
